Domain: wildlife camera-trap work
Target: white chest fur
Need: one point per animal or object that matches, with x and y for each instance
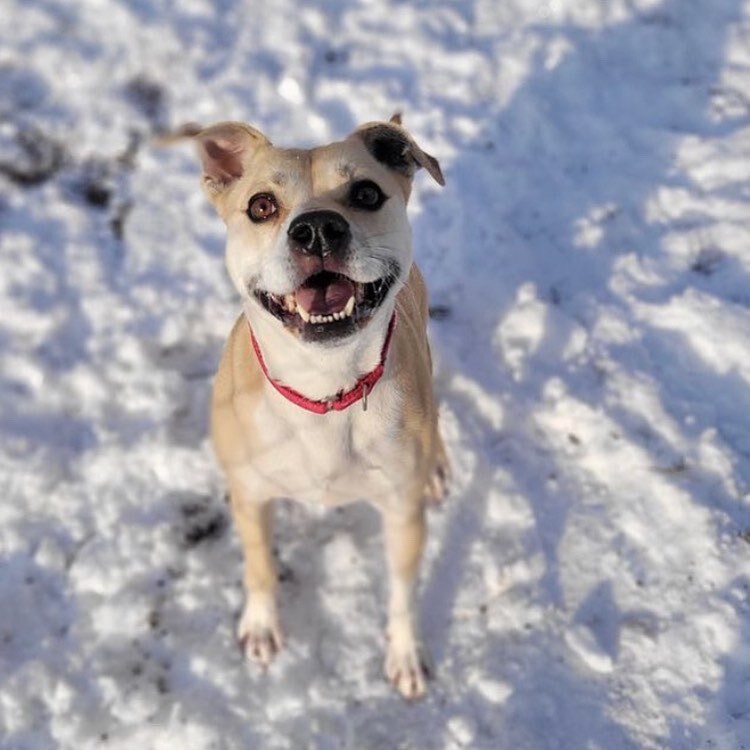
(331, 458)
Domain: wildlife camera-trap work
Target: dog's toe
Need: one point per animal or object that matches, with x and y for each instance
(406, 671)
(260, 636)
(261, 646)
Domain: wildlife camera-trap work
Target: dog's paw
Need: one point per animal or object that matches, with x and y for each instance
(406, 670)
(259, 634)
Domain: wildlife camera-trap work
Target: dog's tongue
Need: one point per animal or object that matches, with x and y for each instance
(325, 297)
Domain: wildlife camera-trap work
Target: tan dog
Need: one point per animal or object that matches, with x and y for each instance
(324, 391)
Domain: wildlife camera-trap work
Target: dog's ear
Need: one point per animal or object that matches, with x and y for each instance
(391, 144)
(224, 150)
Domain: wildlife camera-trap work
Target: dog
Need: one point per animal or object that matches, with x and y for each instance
(324, 391)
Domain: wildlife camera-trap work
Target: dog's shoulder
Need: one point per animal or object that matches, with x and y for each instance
(412, 358)
(412, 350)
(412, 301)
(238, 370)
(238, 382)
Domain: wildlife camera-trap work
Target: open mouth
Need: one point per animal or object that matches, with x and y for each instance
(328, 305)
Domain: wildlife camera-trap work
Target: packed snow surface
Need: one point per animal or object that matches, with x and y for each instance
(587, 583)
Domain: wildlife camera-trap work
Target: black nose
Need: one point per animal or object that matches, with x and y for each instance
(320, 233)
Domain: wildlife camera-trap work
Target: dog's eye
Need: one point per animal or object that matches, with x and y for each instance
(366, 194)
(262, 207)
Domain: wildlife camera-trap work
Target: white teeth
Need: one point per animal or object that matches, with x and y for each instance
(322, 318)
(290, 302)
(317, 319)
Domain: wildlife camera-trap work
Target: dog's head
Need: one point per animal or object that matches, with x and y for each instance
(318, 239)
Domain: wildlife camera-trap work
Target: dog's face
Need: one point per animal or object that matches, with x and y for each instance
(316, 239)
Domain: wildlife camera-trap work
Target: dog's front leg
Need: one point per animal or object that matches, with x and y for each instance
(258, 630)
(404, 535)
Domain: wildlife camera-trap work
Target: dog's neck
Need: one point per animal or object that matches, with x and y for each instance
(316, 371)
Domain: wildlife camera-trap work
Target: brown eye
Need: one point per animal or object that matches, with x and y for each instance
(366, 194)
(261, 207)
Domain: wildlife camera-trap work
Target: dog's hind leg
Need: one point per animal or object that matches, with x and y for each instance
(439, 480)
(258, 631)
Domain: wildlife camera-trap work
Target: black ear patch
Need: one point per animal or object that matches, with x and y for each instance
(392, 146)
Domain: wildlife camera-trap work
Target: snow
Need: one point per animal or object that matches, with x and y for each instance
(587, 584)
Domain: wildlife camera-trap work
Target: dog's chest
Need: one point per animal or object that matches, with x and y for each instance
(330, 459)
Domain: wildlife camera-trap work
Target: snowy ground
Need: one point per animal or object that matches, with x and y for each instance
(588, 583)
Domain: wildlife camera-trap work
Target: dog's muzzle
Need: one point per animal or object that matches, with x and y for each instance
(328, 304)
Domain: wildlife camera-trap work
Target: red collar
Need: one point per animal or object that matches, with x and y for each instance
(343, 399)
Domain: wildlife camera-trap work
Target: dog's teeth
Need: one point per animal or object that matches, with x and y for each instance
(291, 303)
(318, 319)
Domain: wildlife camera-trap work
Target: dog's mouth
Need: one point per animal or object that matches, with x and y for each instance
(328, 305)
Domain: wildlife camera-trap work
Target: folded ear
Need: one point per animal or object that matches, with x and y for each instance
(391, 145)
(224, 150)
